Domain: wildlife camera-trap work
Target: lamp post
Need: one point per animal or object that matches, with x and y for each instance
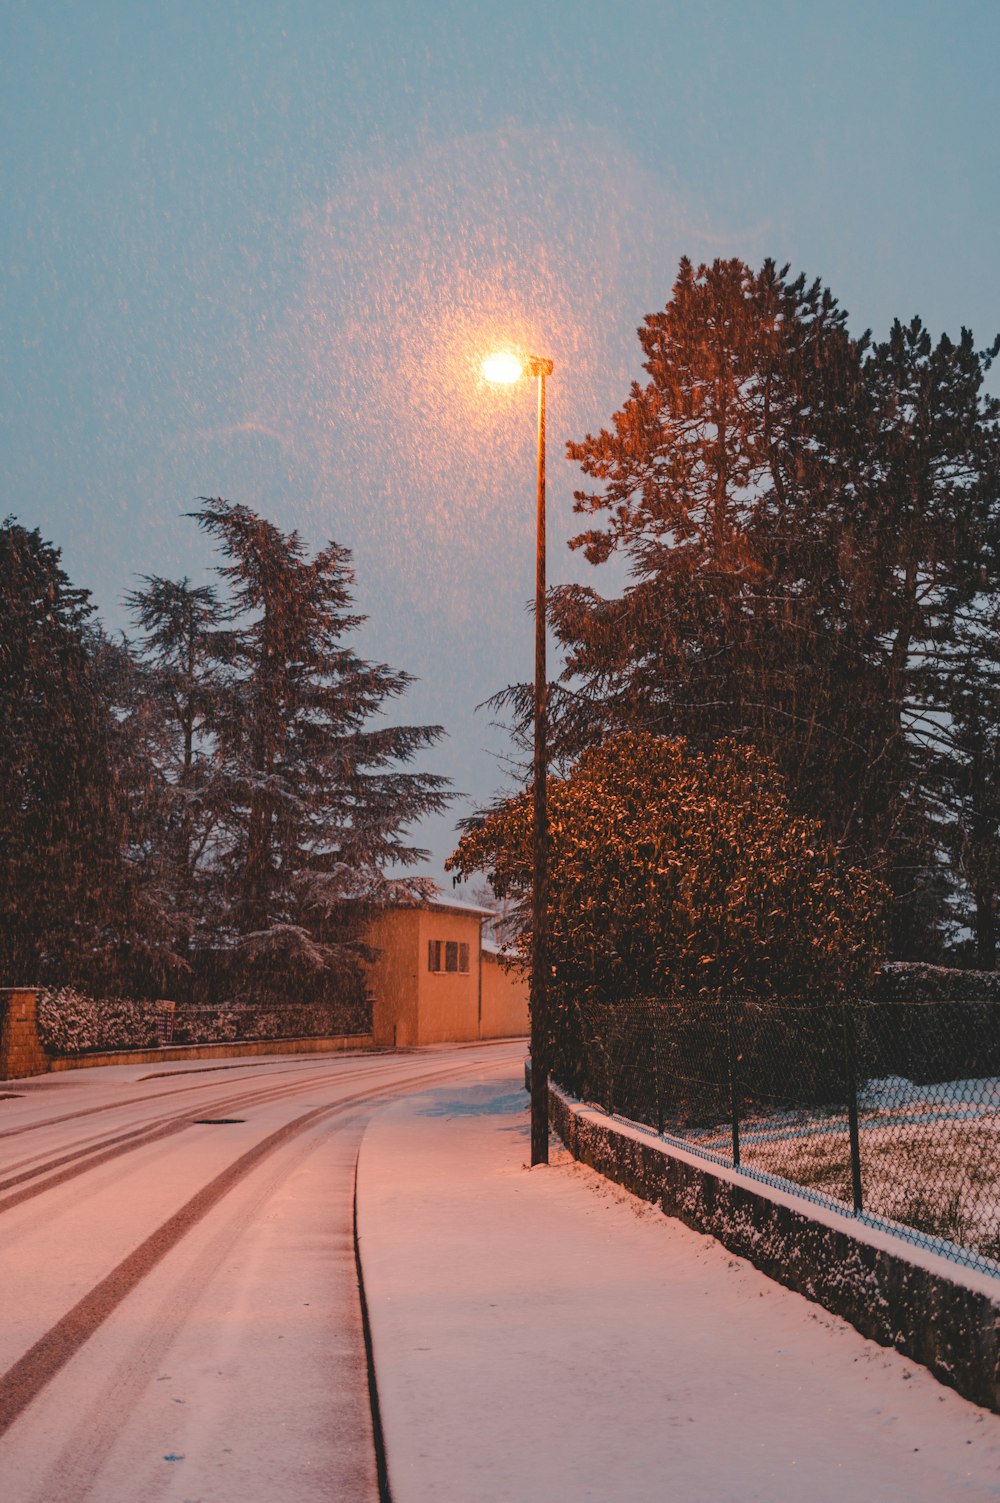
(507, 369)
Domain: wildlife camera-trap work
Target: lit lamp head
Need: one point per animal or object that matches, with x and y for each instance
(503, 369)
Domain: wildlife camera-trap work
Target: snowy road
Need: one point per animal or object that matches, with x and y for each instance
(178, 1283)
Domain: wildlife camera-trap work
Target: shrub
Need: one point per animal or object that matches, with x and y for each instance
(70, 1023)
(678, 874)
(677, 879)
(902, 981)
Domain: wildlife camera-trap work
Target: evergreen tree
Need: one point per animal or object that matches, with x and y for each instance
(806, 521)
(972, 789)
(931, 512)
(313, 804)
(675, 874)
(730, 482)
(73, 788)
(182, 682)
(723, 481)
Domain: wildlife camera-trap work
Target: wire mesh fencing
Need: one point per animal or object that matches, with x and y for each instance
(891, 1110)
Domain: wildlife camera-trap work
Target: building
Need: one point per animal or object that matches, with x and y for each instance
(435, 982)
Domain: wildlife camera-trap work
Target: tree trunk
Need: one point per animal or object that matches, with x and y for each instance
(986, 927)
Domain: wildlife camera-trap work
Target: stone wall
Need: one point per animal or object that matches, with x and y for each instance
(236, 1050)
(21, 1053)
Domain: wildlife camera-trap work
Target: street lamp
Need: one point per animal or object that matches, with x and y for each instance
(506, 369)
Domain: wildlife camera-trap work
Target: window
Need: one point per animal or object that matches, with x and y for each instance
(448, 955)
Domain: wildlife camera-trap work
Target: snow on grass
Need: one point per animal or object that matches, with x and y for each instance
(929, 1157)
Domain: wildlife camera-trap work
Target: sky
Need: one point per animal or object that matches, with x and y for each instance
(258, 250)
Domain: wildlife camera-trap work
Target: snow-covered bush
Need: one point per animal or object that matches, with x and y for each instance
(242, 1020)
(71, 1023)
(678, 878)
(901, 981)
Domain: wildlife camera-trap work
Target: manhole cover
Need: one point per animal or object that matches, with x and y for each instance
(216, 1121)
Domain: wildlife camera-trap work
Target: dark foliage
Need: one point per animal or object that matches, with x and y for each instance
(680, 874)
(216, 810)
(287, 808)
(811, 522)
(901, 982)
(75, 807)
(180, 686)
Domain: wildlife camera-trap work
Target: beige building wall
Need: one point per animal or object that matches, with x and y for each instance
(393, 977)
(504, 1008)
(411, 1003)
(449, 1000)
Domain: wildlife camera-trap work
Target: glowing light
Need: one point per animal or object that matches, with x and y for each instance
(504, 368)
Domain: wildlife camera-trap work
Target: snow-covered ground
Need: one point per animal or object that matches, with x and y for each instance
(178, 1285)
(541, 1335)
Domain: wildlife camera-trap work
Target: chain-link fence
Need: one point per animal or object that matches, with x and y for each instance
(889, 1108)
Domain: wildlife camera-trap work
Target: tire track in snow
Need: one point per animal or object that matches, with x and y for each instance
(75, 1463)
(160, 1095)
(33, 1371)
(79, 1160)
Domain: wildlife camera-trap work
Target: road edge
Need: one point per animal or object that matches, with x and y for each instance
(378, 1434)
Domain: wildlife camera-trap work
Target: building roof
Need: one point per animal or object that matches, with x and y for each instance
(443, 903)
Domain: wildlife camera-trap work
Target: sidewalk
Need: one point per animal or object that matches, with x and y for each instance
(540, 1336)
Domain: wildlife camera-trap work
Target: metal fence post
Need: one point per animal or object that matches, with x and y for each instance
(851, 1070)
(734, 1089)
(656, 1072)
(609, 1104)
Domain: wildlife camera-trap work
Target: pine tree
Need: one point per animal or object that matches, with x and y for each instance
(181, 684)
(806, 519)
(74, 812)
(972, 784)
(933, 515)
(729, 483)
(314, 803)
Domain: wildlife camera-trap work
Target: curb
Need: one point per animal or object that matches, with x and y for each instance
(378, 1434)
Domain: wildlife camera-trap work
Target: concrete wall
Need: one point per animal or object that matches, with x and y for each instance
(245, 1050)
(411, 1004)
(942, 1315)
(504, 1009)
